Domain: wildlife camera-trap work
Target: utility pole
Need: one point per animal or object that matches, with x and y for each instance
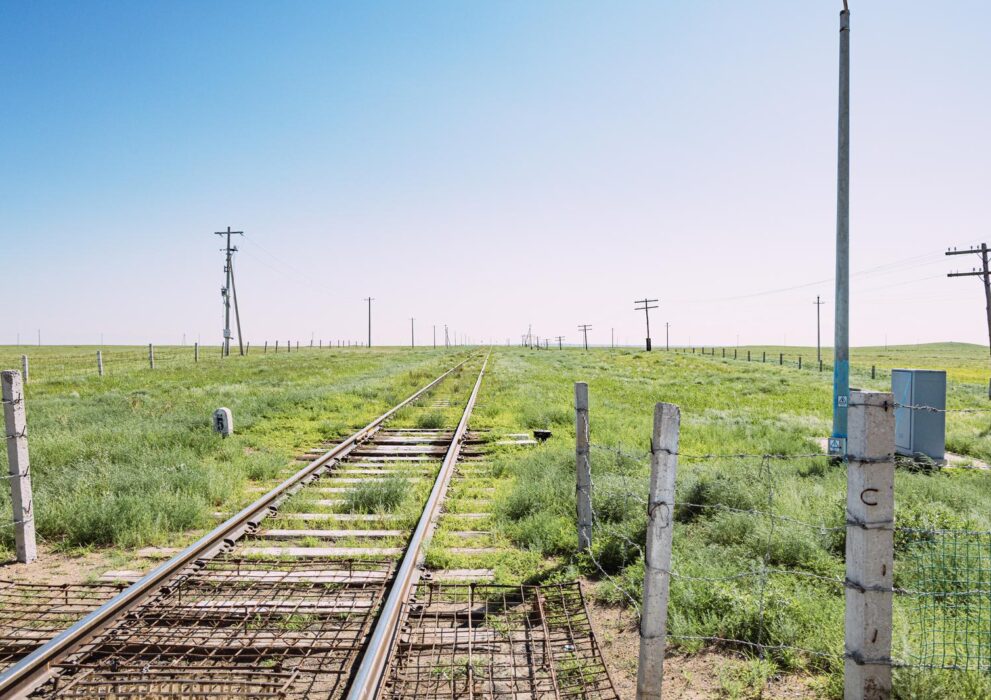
(818, 330)
(435, 336)
(667, 336)
(412, 334)
(585, 328)
(612, 337)
(841, 334)
(645, 306)
(369, 300)
(447, 338)
(986, 278)
(560, 342)
(227, 289)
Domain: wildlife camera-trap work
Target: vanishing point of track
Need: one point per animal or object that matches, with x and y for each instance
(293, 598)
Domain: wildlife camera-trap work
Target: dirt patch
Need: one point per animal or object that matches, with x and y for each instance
(53, 567)
(708, 674)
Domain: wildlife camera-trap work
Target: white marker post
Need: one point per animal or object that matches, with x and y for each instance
(20, 472)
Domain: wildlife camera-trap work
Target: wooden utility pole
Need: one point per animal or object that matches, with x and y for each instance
(560, 342)
(818, 329)
(12, 391)
(645, 306)
(985, 276)
(585, 328)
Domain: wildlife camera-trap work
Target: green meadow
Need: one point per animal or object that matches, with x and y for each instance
(130, 459)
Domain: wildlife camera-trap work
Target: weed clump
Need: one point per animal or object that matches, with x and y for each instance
(376, 496)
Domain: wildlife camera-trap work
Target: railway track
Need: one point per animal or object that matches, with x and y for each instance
(321, 588)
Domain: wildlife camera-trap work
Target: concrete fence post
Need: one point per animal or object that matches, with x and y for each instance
(869, 545)
(734, 353)
(800, 362)
(247, 347)
(196, 352)
(873, 371)
(820, 365)
(583, 468)
(151, 356)
(781, 358)
(763, 356)
(748, 356)
(265, 349)
(99, 362)
(276, 346)
(25, 367)
(19, 466)
(657, 554)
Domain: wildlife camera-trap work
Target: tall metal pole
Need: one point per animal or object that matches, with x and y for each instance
(412, 334)
(667, 336)
(369, 300)
(237, 312)
(841, 336)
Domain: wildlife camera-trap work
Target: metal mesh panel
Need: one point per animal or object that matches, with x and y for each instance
(945, 582)
(235, 626)
(33, 613)
(487, 640)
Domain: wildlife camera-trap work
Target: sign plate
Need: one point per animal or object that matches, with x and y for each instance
(837, 447)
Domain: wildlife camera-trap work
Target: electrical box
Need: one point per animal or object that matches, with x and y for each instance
(920, 420)
(223, 422)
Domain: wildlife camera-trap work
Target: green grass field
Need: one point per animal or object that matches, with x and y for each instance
(130, 459)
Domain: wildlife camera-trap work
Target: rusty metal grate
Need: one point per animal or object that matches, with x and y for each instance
(285, 628)
(488, 640)
(33, 613)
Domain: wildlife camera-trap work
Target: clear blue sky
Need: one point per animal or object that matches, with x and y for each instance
(488, 166)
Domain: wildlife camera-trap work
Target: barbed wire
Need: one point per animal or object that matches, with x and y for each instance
(936, 596)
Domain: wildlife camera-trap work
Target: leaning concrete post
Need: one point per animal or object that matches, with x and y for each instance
(196, 352)
(20, 472)
(25, 366)
(583, 468)
(151, 355)
(657, 555)
(869, 545)
(99, 362)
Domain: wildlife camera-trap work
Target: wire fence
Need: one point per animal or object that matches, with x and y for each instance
(750, 571)
(48, 364)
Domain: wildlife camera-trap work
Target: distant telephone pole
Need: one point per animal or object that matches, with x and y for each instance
(369, 300)
(228, 290)
(667, 336)
(645, 306)
(818, 330)
(412, 333)
(447, 338)
(585, 328)
(560, 342)
(435, 336)
(985, 276)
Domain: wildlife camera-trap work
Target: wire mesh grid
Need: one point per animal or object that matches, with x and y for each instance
(944, 579)
(264, 627)
(33, 613)
(490, 640)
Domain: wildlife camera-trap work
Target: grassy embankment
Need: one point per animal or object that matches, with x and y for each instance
(727, 407)
(130, 459)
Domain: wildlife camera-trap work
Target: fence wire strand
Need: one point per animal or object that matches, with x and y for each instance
(942, 591)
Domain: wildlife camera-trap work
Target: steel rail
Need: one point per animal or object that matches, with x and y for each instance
(374, 661)
(33, 670)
